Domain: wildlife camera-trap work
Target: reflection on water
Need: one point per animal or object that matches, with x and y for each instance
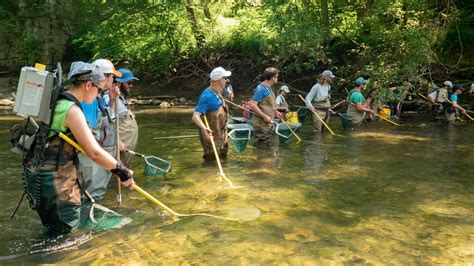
(382, 194)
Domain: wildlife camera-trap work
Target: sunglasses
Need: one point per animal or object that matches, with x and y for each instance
(99, 88)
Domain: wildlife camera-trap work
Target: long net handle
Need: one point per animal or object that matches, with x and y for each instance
(117, 147)
(291, 130)
(423, 96)
(452, 103)
(217, 155)
(146, 194)
(388, 120)
(240, 106)
(319, 117)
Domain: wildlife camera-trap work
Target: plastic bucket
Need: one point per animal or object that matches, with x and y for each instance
(292, 117)
(385, 112)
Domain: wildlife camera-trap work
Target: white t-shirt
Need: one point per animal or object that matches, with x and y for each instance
(317, 93)
(280, 99)
(442, 95)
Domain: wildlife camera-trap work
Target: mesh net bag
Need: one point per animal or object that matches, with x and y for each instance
(346, 121)
(284, 133)
(155, 166)
(239, 139)
(302, 112)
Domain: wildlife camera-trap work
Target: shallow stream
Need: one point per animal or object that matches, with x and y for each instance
(381, 194)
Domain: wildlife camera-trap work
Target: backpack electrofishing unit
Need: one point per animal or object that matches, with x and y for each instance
(37, 94)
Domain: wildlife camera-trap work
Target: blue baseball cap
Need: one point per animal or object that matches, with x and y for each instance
(127, 75)
(360, 80)
(458, 87)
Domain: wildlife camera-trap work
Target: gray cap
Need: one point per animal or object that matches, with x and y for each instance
(85, 71)
(328, 73)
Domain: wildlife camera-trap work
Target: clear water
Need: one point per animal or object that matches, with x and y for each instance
(378, 195)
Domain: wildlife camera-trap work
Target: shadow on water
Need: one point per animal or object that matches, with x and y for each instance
(379, 195)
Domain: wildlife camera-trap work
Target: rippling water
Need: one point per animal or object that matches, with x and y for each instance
(378, 195)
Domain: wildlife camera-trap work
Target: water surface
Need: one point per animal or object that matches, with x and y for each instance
(381, 194)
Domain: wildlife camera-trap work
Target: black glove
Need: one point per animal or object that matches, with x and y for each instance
(122, 172)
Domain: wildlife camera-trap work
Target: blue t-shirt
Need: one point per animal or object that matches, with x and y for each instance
(261, 92)
(208, 102)
(453, 97)
(90, 111)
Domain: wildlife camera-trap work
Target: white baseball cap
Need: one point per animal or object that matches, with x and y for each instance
(107, 67)
(285, 89)
(448, 83)
(218, 73)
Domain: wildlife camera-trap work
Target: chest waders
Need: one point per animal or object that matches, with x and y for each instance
(356, 117)
(50, 173)
(263, 130)
(450, 112)
(218, 123)
(322, 108)
(284, 103)
(128, 128)
(93, 177)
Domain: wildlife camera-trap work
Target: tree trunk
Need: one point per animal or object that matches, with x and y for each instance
(325, 20)
(205, 7)
(193, 19)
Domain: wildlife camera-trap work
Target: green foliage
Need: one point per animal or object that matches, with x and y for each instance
(149, 38)
(388, 41)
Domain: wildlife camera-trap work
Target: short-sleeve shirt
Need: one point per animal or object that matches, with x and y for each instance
(356, 97)
(453, 97)
(90, 111)
(261, 92)
(280, 100)
(208, 101)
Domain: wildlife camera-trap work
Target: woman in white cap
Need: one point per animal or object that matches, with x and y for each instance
(438, 97)
(318, 99)
(53, 165)
(212, 105)
(281, 103)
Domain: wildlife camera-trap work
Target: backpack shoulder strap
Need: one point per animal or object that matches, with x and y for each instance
(70, 97)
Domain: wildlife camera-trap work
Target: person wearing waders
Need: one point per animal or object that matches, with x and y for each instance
(318, 99)
(438, 97)
(98, 115)
(212, 105)
(263, 105)
(281, 103)
(52, 166)
(356, 109)
(452, 107)
(128, 127)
